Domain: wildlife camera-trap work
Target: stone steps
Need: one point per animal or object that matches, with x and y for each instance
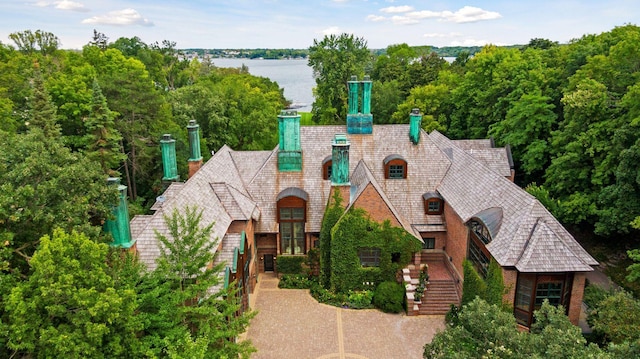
(438, 297)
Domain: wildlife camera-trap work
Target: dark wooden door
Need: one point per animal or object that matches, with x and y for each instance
(268, 262)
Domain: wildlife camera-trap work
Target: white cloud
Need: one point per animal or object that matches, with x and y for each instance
(465, 14)
(376, 18)
(333, 30)
(470, 14)
(396, 9)
(121, 18)
(404, 20)
(63, 5)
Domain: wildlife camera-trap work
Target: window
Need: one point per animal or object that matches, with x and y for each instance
(292, 237)
(478, 258)
(551, 291)
(395, 167)
(480, 231)
(369, 257)
(396, 171)
(291, 210)
(327, 168)
(429, 243)
(296, 214)
(532, 290)
(433, 203)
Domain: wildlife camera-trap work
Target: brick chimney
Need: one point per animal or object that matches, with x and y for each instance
(195, 156)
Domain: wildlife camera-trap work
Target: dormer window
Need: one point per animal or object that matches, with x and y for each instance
(480, 231)
(395, 167)
(433, 203)
(326, 168)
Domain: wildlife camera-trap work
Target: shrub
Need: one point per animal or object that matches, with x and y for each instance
(452, 316)
(473, 286)
(325, 296)
(495, 284)
(295, 281)
(360, 299)
(389, 297)
(291, 264)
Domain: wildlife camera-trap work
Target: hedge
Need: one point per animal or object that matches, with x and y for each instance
(291, 264)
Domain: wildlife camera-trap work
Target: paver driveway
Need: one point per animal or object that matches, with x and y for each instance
(291, 324)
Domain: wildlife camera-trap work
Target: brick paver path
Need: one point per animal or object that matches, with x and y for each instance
(291, 324)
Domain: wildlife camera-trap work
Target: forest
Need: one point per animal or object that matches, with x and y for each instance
(69, 119)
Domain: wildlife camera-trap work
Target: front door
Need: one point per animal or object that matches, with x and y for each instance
(268, 262)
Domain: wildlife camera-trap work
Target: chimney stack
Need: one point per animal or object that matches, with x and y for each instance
(340, 160)
(415, 123)
(169, 164)
(195, 156)
(119, 227)
(289, 152)
(359, 120)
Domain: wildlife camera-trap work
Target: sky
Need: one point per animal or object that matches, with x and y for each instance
(296, 23)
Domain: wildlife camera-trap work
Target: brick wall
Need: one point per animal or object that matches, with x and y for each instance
(510, 277)
(371, 201)
(457, 238)
(577, 292)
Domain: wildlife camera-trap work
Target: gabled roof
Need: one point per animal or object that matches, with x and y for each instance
(196, 192)
(469, 175)
(472, 189)
(361, 178)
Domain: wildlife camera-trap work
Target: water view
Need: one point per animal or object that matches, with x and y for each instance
(295, 76)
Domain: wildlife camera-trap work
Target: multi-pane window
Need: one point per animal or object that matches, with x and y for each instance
(551, 291)
(292, 237)
(291, 214)
(478, 258)
(481, 231)
(396, 171)
(433, 207)
(429, 243)
(532, 290)
(395, 167)
(369, 257)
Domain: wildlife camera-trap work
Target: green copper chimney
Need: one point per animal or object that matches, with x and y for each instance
(340, 160)
(359, 120)
(194, 141)
(415, 122)
(290, 152)
(169, 165)
(353, 95)
(366, 95)
(119, 226)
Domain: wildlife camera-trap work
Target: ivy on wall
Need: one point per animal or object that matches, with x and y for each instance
(355, 231)
(331, 216)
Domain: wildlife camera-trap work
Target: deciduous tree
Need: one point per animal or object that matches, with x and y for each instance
(334, 60)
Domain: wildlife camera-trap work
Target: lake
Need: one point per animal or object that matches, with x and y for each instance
(294, 76)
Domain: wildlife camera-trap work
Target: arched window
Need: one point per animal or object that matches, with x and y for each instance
(395, 167)
(326, 167)
(433, 203)
(292, 214)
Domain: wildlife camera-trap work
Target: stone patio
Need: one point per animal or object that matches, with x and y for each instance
(291, 324)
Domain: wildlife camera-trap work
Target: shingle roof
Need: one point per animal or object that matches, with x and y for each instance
(198, 192)
(471, 189)
(469, 175)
